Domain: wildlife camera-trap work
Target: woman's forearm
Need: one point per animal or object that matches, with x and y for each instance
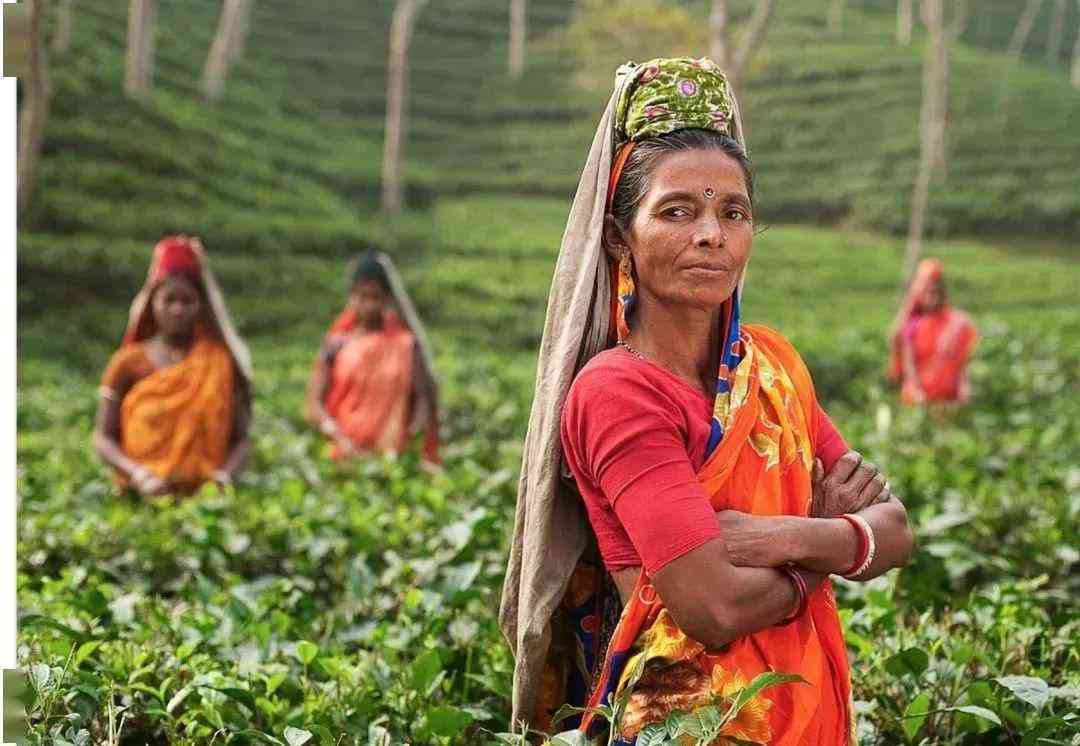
(110, 452)
(238, 456)
(830, 545)
(732, 601)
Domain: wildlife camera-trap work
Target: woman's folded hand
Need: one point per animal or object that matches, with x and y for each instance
(852, 484)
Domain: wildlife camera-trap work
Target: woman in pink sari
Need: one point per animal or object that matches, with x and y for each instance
(932, 342)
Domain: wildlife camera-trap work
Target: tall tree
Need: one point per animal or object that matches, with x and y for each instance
(751, 38)
(1076, 58)
(1056, 33)
(64, 21)
(142, 16)
(226, 47)
(905, 21)
(1023, 30)
(516, 60)
(932, 126)
(35, 110)
(397, 70)
(718, 33)
(836, 16)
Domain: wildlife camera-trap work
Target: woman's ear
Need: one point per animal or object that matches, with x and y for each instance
(614, 240)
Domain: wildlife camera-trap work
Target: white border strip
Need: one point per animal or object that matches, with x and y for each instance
(8, 291)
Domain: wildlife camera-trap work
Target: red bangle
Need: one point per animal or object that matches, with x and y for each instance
(863, 547)
(803, 599)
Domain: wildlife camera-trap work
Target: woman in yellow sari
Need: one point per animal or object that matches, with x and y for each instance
(176, 397)
(373, 384)
(676, 528)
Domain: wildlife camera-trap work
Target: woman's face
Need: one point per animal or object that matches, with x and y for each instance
(690, 237)
(368, 298)
(934, 297)
(177, 305)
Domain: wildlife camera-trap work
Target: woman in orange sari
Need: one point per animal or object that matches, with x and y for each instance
(932, 342)
(686, 544)
(176, 397)
(373, 385)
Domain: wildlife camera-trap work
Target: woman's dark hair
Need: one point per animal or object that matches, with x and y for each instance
(368, 267)
(634, 181)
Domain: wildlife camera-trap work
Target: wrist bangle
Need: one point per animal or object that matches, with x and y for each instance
(222, 477)
(862, 546)
(802, 597)
(329, 429)
(868, 547)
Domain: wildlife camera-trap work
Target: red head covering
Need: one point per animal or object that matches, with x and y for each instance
(176, 254)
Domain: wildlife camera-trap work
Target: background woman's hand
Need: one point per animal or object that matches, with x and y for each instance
(345, 446)
(851, 485)
(147, 483)
(754, 540)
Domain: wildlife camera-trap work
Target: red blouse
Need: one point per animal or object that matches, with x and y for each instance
(634, 436)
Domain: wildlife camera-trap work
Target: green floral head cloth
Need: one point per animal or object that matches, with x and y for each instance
(669, 94)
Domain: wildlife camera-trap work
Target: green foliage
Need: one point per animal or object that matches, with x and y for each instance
(639, 30)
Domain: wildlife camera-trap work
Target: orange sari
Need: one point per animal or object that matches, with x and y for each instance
(178, 420)
(371, 384)
(762, 466)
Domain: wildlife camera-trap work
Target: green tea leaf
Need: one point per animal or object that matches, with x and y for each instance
(979, 712)
(297, 736)
(915, 715)
(569, 738)
(447, 721)
(1029, 689)
(306, 651)
(760, 683)
(85, 650)
(908, 662)
(424, 670)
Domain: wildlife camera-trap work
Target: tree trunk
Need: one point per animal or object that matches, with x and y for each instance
(905, 19)
(401, 27)
(931, 130)
(226, 47)
(752, 38)
(1056, 34)
(517, 38)
(1023, 30)
(35, 112)
(718, 34)
(1076, 58)
(64, 19)
(140, 47)
(959, 19)
(836, 16)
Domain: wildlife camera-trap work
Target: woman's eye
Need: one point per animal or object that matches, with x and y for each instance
(736, 215)
(676, 212)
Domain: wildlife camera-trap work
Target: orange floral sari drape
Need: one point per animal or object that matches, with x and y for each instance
(178, 421)
(762, 466)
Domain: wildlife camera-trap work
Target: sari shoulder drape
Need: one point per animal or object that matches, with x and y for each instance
(178, 420)
(371, 386)
(762, 466)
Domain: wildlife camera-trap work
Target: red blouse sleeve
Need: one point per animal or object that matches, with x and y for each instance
(629, 442)
(830, 444)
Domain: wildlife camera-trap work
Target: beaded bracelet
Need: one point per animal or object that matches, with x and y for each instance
(803, 599)
(867, 535)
